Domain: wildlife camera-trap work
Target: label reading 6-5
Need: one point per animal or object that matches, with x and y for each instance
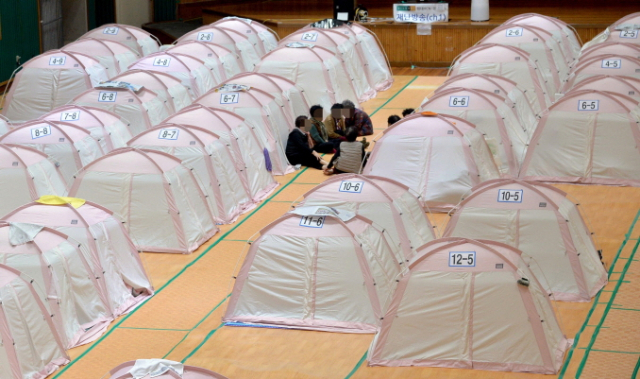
(588, 105)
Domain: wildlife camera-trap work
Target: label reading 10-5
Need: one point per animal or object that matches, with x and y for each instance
(70, 116)
(588, 105)
(312, 221)
(611, 63)
(513, 32)
(170, 134)
(459, 101)
(462, 259)
(351, 186)
(509, 196)
(107, 97)
(40, 132)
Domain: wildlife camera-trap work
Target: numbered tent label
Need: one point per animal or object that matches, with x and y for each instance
(40, 132)
(162, 62)
(57, 61)
(70, 116)
(351, 186)
(514, 32)
(111, 30)
(309, 37)
(509, 196)
(107, 96)
(459, 101)
(611, 63)
(170, 134)
(205, 36)
(462, 259)
(629, 34)
(229, 98)
(588, 105)
(312, 221)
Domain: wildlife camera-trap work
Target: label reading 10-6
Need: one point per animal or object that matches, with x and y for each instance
(204, 36)
(170, 134)
(229, 98)
(513, 32)
(351, 186)
(40, 132)
(70, 116)
(611, 63)
(509, 196)
(462, 259)
(588, 105)
(107, 97)
(459, 101)
(312, 221)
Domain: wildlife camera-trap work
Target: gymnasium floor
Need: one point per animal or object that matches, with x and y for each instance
(182, 321)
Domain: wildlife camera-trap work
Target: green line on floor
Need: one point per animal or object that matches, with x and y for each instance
(360, 362)
(635, 370)
(394, 96)
(211, 333)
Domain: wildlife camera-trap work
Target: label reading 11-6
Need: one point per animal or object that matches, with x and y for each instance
(312, 221)
(459, 101)
(351, 186)
(170, 134)
(509, 196)
(462, 259)
(588, 105)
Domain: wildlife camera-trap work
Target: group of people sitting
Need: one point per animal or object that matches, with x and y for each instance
(337, 134)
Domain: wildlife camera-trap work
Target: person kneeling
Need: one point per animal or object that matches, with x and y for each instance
(350, 156)
(298, 150)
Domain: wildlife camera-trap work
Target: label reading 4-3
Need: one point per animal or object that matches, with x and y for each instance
(107, 97)
(588, 105)
(509, 196)
(462, 259)
(40, 132)
(309, 37)
(351, 186)
(170, 134)
(162, 62)
(611, 63)
(629, 33)
(70, 116)
(513, 32)
(111, 30)
(312, 221)
(57, 61)
(205, 36)
(459, 101)
(229, 98)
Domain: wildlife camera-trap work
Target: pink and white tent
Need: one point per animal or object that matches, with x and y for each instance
(95, 227)
(354, 265)
(143, 109)
(158, 199)
(135, 38)
(544, 224)
(69, 146)
(268, 37)
(246, 148)
(32, 348)
(630, 21)
(206, 154)
(111, 130)
(242, 26)
(231, 62)
(606, 64)
(5, 125)
(25, 175)
(315, 69)
(614, 48)
(192, 72)
(492, 117)
(170, 89)
(58, 77)
(160, 369)
(206, 53)
(470, 304)
(625, 29)
(442, 158)
(391, 205)
(623, 85)
(113, 56)
(259, 109)
(65, 274)
(586, 137)
(378, 65)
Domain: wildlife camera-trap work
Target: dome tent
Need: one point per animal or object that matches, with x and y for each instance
(168, 88)
(572, 145)
(210, 159)
(624, 30)
(22, 357)
(623, 85)
(560, 30)
(113, 56)
(613, 48)
(443, 157)
(158, 198)
(387, 203)
(160, 369)
(207, 54)
(544, 224)
(103, 235)
(58, 76)
(246, 28)
(353, 265)
(5, 125)
(246, 147)
(268, 37)
(606, 64)
(470, 304)
(378, 63)
(25, 175)
(230, 61)
(111, 130)
(135, 38)
(69, 146)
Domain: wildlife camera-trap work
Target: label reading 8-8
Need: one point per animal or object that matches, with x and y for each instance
(611, 63)
(588, 105)
(312, 221)
(351, 186)
(57, 61)
(70, 116)
(509, 196)
(107, 97)
(111, 30)
(40, 132)
(170, 134)
(229, 98)
(310, 37)
(629, 33)
(459, 101)
(462, 259)
(205, 36)
(513, 32)
(162, 62)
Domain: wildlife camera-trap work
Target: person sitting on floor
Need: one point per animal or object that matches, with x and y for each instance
(407, 112)
(357, 118)
(350, 156)
(335, 125)
(298, 150)
(318, 132)
(393, 119)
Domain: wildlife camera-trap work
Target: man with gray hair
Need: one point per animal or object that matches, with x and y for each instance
(357, 118)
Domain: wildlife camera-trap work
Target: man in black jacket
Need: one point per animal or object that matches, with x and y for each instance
(298, 151)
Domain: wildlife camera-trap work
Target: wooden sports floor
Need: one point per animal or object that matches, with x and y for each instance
(182, 322)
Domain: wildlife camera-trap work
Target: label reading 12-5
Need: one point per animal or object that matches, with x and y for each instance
(588, 105)
(351, 186)
(205, 36)
(509, 196)
(57, 61)
(70, 116)
(312, 221)
(629, 33)
(107, 97)
(229, 98)
(611, 63)
(40, 132)
(513, 32)
(170, 134)
(462, 259)
(459, 101)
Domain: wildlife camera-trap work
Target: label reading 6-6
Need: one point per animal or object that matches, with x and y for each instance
(462, 259)
(459, 101)
(351, 186)
(588, 105)
(312, 221)
(509, 196)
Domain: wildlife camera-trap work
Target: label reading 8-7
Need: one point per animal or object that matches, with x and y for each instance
(162, 62)
(309, 37)
(70, 116)
(205, 36)
(513, 32)
(459, 101)
(111, 30)
(351, 186)
(312, 221)
(588, 105)
(629, 33)
(462, 259)
(57, 61)
(509, 196)
(229, 98)
(40, 132)
(611, 63)
(170, 134)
